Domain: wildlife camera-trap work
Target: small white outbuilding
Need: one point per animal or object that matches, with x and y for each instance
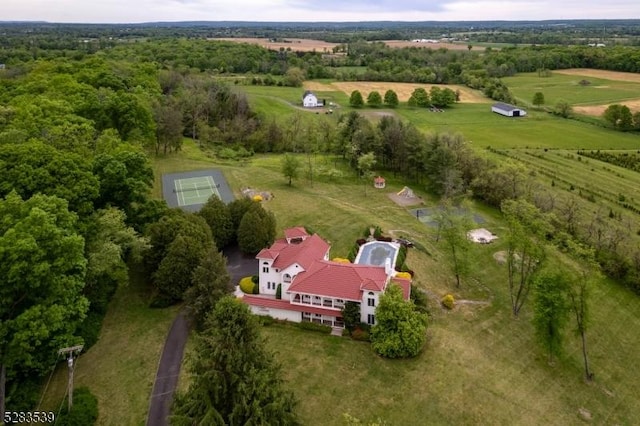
(508, 110)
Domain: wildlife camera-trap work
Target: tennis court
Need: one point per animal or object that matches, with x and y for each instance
(195, 190)
(190, 190)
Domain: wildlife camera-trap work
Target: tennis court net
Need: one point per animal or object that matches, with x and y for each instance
(194, 188)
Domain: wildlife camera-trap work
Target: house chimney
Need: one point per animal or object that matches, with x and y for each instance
(387, 266)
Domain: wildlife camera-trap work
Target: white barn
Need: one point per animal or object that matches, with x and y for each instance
(309, 100)
(508, 110)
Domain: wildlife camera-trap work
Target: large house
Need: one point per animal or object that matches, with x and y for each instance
(314, 288)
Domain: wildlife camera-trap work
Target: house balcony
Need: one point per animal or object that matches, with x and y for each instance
(324, 302)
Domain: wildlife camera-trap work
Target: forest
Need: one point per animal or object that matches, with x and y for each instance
(84, 110)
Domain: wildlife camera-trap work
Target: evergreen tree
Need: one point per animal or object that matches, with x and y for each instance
(210, 281)
(257, 230)
(216, 213)
(236, 381)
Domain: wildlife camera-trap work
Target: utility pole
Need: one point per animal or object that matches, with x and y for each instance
(70, 351)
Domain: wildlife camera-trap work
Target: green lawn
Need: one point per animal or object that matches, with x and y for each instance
(537, 130)
(566, 87)
(475, 121)
(120, 369)
(480, 366)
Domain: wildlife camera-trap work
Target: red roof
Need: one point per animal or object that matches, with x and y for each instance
(304, 253)
(285, 305)
(405, 285)
(339, 280)
(379, 179)
(296, 232)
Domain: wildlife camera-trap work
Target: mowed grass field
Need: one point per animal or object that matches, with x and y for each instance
(480, 366)
(604, 88)
(474, 120)
(120, 368)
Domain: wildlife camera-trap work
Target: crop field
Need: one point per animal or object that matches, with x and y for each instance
(592, 99)
(434, 46)
(403, 90)
(295, 44)
(604, 183)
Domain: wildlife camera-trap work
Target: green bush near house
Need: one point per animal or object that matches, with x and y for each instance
(312, 326)
(279, 292)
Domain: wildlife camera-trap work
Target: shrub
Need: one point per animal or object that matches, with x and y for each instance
(84, 411)
(266, 320)
(257, 198)
(448, 301)
(404, 275)
(279, 291)
(248, 286)
(340, 260)
(312, 326)
(360, 335)
(402, 256)
(255, 278)
(352, 254)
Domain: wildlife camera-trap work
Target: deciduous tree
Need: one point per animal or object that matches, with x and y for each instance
(525, 248)
(290, 167)
(538, 99)
(43, 268)
(374, 99)
(391, 98)
(400, 331)
(356, 100)
(550, 310)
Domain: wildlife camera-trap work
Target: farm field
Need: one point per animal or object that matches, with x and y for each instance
(604, 89)
(479, 366)
(295, 44)
(403, 90)
(537, 130)
(474, 120)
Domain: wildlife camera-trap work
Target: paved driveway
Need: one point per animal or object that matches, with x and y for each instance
(239, 266)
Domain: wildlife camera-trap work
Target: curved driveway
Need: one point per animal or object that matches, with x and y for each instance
(168, 372)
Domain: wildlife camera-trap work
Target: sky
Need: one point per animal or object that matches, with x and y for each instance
(135, 11)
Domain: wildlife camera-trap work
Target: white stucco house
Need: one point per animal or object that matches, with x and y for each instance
(314, 288)
(508, 110)
(310, 100)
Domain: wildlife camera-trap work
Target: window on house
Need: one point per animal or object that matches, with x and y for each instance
(265, 269)
(286, 278)
(371, 302)
(371, 319)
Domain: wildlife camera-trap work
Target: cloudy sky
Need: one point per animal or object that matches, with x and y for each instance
(126, 11)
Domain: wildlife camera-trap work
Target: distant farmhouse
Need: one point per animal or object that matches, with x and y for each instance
(309, 100)
(508, 110)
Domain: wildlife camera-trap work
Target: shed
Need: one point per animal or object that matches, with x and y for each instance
(508, 110)
(379, 182)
